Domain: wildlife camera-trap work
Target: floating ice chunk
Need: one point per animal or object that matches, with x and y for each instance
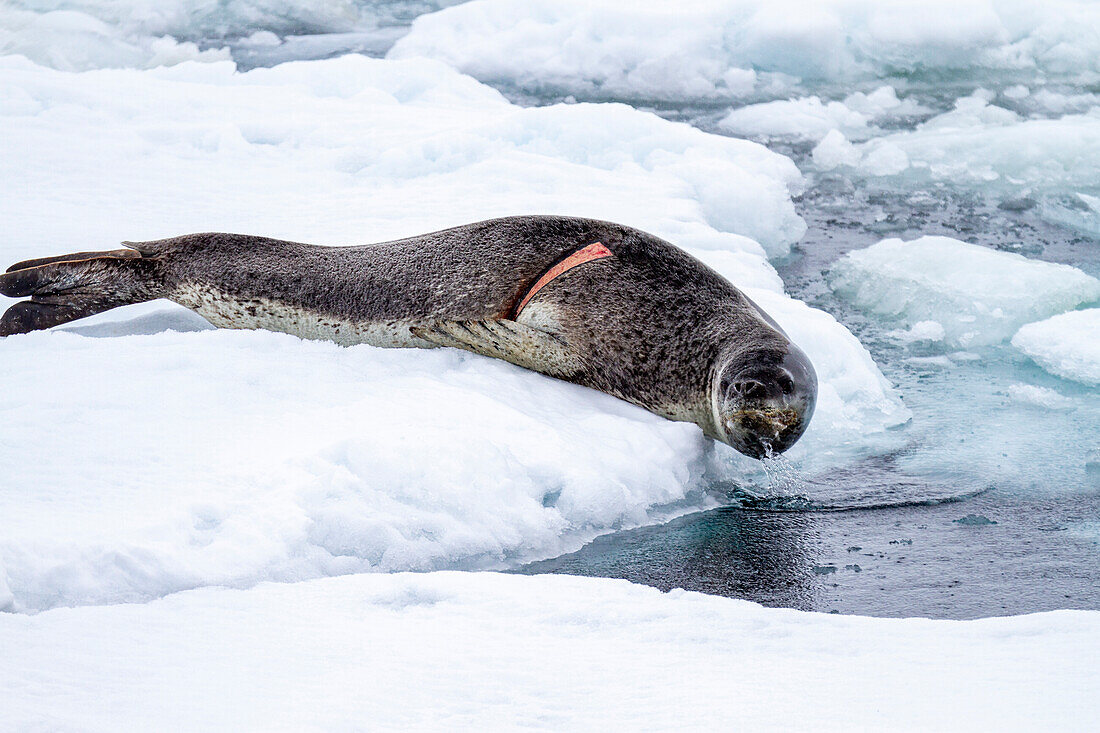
(1078, 211)
(808, 118)
(834, 150)
(984, 145)
(972, 111)
(1017, 91)
(930, 363)
(882, 100)
(979, 295)
(1030, 394)
(884, 159)
(920, 331)
(261, 38)
(1057, 103)
(1067, 345)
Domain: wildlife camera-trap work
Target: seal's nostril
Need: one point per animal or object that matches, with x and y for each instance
(750, 389)
(786, 384)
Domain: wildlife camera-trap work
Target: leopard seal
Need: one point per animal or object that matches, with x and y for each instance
(599, 304)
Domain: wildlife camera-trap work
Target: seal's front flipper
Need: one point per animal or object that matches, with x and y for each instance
(65, 288)
(522, 345)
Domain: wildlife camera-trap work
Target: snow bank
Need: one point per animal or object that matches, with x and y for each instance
(705, 49)
(980, 144)
(978, 295)
(147, 464)
(1067, 345)
(486, 651)
(221, 457)
(92, 34)
(394, 138)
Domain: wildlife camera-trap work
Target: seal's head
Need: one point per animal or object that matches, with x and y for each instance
(763, 398)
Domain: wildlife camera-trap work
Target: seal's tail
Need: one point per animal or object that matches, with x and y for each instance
(62, 289)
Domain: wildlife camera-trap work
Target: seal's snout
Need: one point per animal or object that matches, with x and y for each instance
(750, 389)
(766, 410)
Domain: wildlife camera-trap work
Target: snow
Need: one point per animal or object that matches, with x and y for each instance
(392, 138)
(487, 651)
(651, 50)
(1067, 345)
(978, 295)
(315, 460)
(319, 460)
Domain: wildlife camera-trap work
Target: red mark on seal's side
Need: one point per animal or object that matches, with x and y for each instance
(594, 251)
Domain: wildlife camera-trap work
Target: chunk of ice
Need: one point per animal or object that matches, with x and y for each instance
(1030, 394)
(978, 295)
(1067, 345)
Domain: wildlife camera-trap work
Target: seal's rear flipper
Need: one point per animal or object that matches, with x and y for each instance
(65, 288)
(522, 345)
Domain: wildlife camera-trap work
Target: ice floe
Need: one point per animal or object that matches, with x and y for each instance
(1067, 345)
(979, 144)
(654, 50)
(1030, 394)
(976, 294)
(810, 118)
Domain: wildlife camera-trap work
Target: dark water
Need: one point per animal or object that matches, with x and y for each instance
(990, 555)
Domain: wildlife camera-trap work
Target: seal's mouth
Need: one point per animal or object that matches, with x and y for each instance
(765, 431)
(765, 421)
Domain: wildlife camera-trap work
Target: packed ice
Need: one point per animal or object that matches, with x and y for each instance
(92, 34)
(726, 50)
(977, 295)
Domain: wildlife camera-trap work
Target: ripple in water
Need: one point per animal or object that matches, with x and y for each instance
(874, 484)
